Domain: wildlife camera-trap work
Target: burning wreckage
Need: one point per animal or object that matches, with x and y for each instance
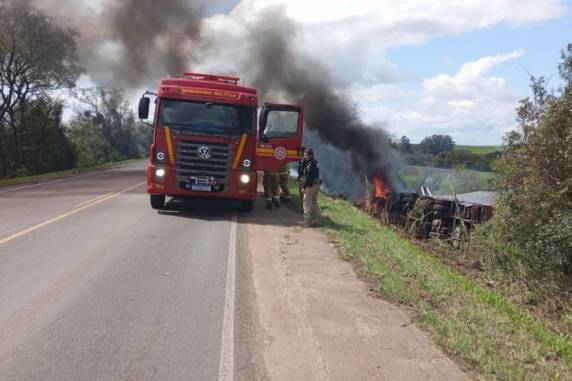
(424, 215)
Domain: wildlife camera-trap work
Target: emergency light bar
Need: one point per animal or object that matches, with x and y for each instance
(211, 77)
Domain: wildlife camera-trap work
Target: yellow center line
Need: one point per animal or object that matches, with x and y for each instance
(92, 200)
(67, 214)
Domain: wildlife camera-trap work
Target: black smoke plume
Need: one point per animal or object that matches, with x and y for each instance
(133, 43)
(279, 68)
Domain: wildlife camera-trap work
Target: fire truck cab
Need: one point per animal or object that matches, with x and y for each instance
(210, 139)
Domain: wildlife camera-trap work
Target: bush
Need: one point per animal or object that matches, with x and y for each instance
(534, 208)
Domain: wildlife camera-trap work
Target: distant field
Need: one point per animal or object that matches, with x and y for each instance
(480, 149)
(474, 149)
(437, 179)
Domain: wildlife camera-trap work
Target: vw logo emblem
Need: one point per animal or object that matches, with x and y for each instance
(204, 152)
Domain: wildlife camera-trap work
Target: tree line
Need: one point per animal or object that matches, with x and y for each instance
(439, 151)
(39, 68)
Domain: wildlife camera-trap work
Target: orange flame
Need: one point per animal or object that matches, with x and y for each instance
(381, 189)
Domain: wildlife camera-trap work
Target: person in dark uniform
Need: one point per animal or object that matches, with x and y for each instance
(311, 189)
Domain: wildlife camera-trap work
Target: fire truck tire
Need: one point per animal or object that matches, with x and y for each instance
(157, 201)
(247, 206)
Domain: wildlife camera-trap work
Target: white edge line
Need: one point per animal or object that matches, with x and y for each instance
(226, 367)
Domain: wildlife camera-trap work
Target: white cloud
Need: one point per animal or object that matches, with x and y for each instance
(471, 106)
(469, 82)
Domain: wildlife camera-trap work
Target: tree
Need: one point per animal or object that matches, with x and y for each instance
(36, 57)
(45, 146)
(104, 128)
(535, 174)
(436, 144)
(405, 145)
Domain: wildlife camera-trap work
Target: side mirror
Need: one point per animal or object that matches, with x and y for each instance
(144, 103)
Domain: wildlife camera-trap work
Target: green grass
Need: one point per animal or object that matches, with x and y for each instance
(54, 175)
(437, 179)
(480, 327)
(480, 149)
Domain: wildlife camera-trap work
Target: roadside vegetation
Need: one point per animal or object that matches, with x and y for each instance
(491, 335)
(39, 64)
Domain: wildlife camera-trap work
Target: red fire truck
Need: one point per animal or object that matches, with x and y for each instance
(208, 140)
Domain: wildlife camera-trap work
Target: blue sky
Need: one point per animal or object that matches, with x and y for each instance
(541, 43)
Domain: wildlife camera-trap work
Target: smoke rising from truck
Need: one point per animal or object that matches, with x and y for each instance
(133, 43)
(280, 68)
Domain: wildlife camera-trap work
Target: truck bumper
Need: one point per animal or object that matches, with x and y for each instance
(167, 186)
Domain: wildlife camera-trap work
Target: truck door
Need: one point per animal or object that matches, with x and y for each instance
(280, 132)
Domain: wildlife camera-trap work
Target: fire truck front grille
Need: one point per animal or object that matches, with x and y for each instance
(190, 164)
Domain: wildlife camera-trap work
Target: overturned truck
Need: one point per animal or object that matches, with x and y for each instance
(424, 215)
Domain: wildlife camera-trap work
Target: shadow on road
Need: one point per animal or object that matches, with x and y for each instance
(223, 210)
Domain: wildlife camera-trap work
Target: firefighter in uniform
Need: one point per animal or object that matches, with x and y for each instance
(271, 184)
(284, 175)
(311, 188)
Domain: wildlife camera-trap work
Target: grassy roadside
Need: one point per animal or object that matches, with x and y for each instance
(55, 175)
(494, 337)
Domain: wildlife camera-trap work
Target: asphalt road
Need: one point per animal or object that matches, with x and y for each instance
(95, 285)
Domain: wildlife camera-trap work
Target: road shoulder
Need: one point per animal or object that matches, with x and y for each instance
(316, 318)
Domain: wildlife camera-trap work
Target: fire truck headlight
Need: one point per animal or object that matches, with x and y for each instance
(247, 163)
(160, 173)
(160, 156)
(245, 179)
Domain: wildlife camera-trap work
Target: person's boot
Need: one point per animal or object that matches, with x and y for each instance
(268, 204)
(276, 203)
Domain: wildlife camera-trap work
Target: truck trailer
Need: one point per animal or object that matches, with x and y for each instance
(210, 137)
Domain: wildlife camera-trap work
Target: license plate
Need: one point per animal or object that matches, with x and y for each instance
(201, 188)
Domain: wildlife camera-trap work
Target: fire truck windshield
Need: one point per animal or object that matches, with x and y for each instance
(206, 118)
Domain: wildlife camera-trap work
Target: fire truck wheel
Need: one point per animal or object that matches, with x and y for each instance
(157, 201)
(247, 206)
